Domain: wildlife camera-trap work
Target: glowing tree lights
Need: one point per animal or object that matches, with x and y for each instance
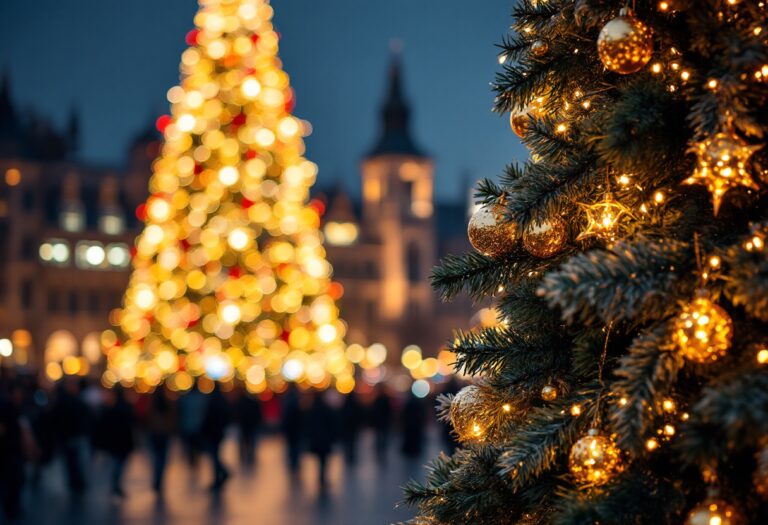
(230, 279)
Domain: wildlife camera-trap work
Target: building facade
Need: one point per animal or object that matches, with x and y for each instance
(66, 232)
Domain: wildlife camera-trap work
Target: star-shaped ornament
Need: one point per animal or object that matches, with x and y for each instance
(722, 165)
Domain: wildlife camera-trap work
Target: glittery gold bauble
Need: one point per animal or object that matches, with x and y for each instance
(722, 162)
(464, 411)
(549, 393)
(518, 121)
(489, 233)
(594, 459)
(702, 331)
(713, 512)
(546, 239)
(539, 48)
(625, 44)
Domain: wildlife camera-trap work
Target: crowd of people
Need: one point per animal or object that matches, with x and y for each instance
(78, 418)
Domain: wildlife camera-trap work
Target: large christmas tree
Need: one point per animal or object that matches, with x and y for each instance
(229, 277)
(627, 382)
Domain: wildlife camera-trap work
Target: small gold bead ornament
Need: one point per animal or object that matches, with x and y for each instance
(594, 459)
(703, 330)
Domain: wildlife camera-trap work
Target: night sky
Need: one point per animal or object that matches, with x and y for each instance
(116, 59)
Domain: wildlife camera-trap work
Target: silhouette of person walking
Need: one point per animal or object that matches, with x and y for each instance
(350, 422)
(291, 424)
(413, 427)
(381, 418)
(249, 419)
(11, 457)
(117, 429)
(321, 430)
(161, 424)
(215, 422)
(70, 420)
(191, 409)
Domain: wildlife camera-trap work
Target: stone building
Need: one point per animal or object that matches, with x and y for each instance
(66, 231)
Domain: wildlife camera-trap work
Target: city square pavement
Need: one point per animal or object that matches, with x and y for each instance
(365, 494)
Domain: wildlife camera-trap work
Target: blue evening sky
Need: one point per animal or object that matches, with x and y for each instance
(116, 59)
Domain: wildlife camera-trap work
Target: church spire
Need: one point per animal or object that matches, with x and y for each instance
(395, 136)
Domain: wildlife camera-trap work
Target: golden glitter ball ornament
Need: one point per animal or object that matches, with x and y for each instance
(625, 44)
(518, 121)
(549, 393)
(594, 459)
(489, 233)
(713, 511)
(539, 48)
(464, 414)
(721, 164)
(703, 330)
(546, 239)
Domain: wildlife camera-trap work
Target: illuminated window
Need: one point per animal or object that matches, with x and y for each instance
(72, 218)
(55, 251)
(90, 255)
(118, 255)
(112, 223)
(341, 233)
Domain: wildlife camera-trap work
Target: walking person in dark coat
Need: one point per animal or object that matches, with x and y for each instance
(291, 424)
(350, 422)
(249, 419)
(381, 419)
(117, 428)
(321, 430)
(413, 427)
(11, 457)
(217, 418)
(161, 424)
(70, 420)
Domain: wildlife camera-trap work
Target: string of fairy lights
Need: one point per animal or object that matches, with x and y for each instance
(702, 332)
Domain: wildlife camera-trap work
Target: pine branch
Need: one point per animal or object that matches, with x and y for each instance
(747, 284)
(634, 280)
(645, 375)
(549, 431)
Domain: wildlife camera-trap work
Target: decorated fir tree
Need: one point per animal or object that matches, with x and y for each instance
(628, 380)
(229, 276)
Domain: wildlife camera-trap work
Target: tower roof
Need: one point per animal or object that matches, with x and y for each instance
(395, 138)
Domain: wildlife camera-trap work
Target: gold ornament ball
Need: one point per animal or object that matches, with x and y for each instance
(546, 239)
(465, 407)
(625, 44)
(489, 233)
(703, 331)
(518, 121)
(594, 459)
(714, 512)
(549, 393)
(539, 48)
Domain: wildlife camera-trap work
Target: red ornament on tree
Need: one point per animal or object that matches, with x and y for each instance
(191, 37)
